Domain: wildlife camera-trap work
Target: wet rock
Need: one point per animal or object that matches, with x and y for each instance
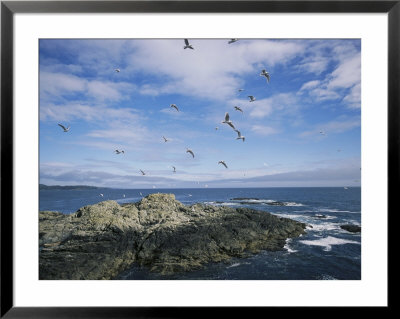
(276, 204)
(351, 228)
(100, 241)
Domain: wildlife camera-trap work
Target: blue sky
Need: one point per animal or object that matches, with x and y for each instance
(315, 85)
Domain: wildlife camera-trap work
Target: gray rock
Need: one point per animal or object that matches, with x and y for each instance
(100, 241)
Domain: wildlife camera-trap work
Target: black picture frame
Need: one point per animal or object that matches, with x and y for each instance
(9, 8)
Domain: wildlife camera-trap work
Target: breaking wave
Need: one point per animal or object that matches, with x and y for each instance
(328, 242)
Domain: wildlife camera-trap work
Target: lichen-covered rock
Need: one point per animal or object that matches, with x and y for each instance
(99, 241)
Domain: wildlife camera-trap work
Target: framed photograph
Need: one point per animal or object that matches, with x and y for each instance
(165, 157)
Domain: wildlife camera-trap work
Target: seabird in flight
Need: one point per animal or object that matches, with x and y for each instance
(266, 74)
(188, 150)
(187, 45)
(227, 121)
(252, 98)
(223, 163)
(239, 135)
(237, 108)
(175, 107)
(66, 129)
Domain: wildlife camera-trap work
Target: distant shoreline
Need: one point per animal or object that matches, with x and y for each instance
(70, 187)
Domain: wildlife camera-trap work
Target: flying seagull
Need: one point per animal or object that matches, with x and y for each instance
(175, 107)
(216, 128)
(117, 70)
(232, 41)
(188, 150)
(266, 74)
(143, 173)
(239, 136)
(241, 90)
(119, 152)
(165, 139)
(101, 195)
(252, 98)
(322, 132)
(227, 121)
(187, 45)
(223, 163)
(66, 129)
(174, 169)
(237, 108)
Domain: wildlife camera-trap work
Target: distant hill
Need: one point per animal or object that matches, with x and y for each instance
(42, 186)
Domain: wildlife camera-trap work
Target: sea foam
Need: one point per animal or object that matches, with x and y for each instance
(287, 247)
(324, 226)
(328, 242)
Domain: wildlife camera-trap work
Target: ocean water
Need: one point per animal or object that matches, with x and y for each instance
(326, 252)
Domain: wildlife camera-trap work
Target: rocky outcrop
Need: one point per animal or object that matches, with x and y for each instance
(100, 241)
(351, 228)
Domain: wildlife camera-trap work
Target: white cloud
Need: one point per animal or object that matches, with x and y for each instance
(283, 102)
(212, 70)
(101, 90)
(310, 85)
(323, 94)
(53, 66)
(315, 64)
(88, 112)
(262, 108)
(68, 112)
(340, 125)
(343, 83)
(271, 52)
(320, 175)
(99, 56)
(347, 74)
(126, 134)
(148, 89)
(353, 99)
(264, 130)
(56, 84)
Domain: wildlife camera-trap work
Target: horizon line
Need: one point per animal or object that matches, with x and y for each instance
(159, 188)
